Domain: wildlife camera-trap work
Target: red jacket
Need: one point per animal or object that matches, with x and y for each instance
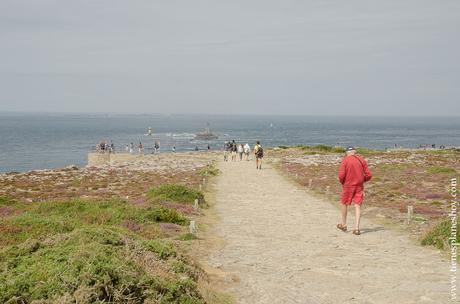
(353, 171)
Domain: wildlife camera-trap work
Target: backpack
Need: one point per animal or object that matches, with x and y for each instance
(260, 151)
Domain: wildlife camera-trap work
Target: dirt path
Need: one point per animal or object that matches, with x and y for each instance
(281, 246)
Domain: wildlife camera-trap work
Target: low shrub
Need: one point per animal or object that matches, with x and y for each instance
(209, 170)
(163, 249)
(47, 218)
(439, 235)
(187, 237)
(175, 193)
(165, 215)
(439, 169)
(90, 265)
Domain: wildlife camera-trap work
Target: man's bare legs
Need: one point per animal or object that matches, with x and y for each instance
(357, 216)
(344, 211)
(258, 163)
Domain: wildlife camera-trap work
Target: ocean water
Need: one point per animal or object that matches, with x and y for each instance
(39, 141)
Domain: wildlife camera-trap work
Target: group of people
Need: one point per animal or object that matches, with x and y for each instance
(105, 147)
(239, 152)
(130, 148)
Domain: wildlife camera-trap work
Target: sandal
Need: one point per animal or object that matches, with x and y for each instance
(356, 232)
(342, 227)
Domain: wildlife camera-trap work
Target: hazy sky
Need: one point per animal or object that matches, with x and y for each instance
(238, 56)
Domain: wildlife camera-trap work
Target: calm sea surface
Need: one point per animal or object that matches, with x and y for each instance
(37, 141)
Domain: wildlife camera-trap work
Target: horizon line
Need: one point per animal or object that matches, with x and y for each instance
(226, 114)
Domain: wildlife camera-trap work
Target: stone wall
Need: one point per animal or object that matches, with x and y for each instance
(98, 159)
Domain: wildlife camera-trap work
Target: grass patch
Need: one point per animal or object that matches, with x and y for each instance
(163, 249)
(47, 218)
(322, 149)
(175, 193)
(90, 265)
(439, 235)
(439, 169)
(366, 151)
(209, 170)
(187, 237)
(165, 215)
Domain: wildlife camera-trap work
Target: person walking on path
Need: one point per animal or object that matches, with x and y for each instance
(240, 151)
(141, 148)
(247, 150)
(233, 150)
(259, 155)
(353, 173)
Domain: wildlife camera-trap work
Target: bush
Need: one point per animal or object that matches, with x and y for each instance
(165, 215)
(91, 265)
(322, 149)
(439, 235)
(175, 193)
(162, 249)
(209, 171)
(444, 170)
(47, 218)
(187, 237)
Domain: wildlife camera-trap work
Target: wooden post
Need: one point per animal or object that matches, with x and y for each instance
(327, 190)
(309, 183)
(193, 227)
(199, 187)
(410, 212)
(196, 206)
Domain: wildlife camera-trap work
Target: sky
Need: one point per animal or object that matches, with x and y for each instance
(322, 57)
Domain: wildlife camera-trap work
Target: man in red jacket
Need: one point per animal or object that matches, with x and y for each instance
(353, 174)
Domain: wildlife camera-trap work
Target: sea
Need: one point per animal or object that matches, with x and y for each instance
(30, 141)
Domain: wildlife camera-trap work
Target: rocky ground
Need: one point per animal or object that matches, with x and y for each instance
(129, 181)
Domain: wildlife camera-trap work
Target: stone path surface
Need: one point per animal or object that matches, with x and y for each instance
(281, 246)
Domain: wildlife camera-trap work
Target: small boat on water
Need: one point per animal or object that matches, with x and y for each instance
(206, 135)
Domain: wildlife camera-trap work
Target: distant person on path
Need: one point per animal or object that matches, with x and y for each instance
(353, 173)
(209, 148)
(131, 148)
(247, 150)
(233, 150)
(196, 148)
(225, 151)
(141, 148)
(174, 149)
(127, 149)
(240, 151)
(259, 155)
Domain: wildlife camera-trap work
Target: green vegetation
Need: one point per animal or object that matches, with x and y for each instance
(163, 249)
(187, 237)
(439, 235)
(90, 265)
(322, 149)
(209, 170)
(366, 151)
(79, 251)
(55, 217)
(439, 169)
(165, 215)
(174, 193)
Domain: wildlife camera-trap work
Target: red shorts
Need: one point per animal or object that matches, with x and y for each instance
(352, 194)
